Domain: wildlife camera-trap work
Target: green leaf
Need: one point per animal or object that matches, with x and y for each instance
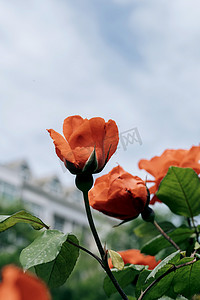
(196, 246)
(124, 278)
(165, 298)
(21, 217)
(159, 242)
(141, 285)
(168, 298)
(182, 280)
(180, 191)
(186, 279)
(163, 286)
(117, 260)
(43, 249)
(56, 272)
(148, 229)
(165, 264)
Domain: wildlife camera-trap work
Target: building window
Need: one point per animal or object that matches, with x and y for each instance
(8, 190)
(54, 186)
(25, 172)
(59, 222)
(34, 208)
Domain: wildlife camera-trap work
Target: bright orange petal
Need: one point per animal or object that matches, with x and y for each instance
(191, 159)
(116, 172)
(169, 158)
(8, 288)
(98, 132)
(154, 200)
(9, 292)
(149, 166)
(134, 256)
(70, 125)
(159, 165)
(119, 194)
(82, 136)
(99, 192)
(111, 138)
(32, 288)
(97, 126)
(81, 155)
(126, 196)
(63, 149)
(17, 285)
(153, 189)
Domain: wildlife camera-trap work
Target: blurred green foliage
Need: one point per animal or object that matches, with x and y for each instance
(86, 281)
(13, 240)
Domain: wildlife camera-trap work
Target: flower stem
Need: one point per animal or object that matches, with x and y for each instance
(196, 229)
(166, 236)
(100, 248)
(92, 226)
(87, 251)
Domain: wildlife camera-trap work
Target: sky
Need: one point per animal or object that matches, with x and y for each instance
(136, 62)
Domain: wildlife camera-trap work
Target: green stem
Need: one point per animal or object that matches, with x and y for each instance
(196, 229)
(100, 248)
(166, 236)
(189, 223)
(87, 251)
(92, 226)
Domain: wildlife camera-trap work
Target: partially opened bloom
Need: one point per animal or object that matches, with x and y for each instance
(17, 285)
(87, 145)
(135, 257)
(119, 194)
(159, 165)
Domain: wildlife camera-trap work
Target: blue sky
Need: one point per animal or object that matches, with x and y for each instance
(137, 62)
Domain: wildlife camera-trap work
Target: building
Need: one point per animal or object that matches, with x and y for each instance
(46, 198)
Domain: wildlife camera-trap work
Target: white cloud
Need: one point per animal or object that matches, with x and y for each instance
(168, 42)
(56, 60)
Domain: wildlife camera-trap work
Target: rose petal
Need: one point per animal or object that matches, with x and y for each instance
(70, 125)
(97, 126)
(134, 256)
(111, 138)
(119, 194)
(63, 149)
(82, 136)
(17, 285)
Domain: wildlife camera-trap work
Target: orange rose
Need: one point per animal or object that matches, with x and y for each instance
(17, 285)
(88, 144)
(135, 257)
(119, 194)
(159, 165)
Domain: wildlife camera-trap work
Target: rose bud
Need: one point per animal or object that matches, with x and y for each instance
(87, 145)
(119, 194)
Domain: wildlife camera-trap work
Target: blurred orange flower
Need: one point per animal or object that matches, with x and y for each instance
(119, 194)
(135, 257)
(159, 165)
(88, 144)
(17, 285)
